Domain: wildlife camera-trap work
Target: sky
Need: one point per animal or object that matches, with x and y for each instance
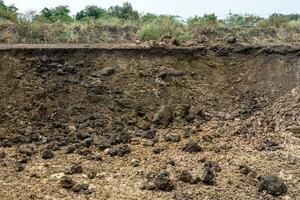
(183, 8)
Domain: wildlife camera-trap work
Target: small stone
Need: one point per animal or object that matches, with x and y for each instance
(26, 151)
(244, 169)
(87, 142)
(57, 176)
(164, 116)
(172, 138)
(83, 135)
(170, 162)
(91, 189)
(208, 176)
(135, 162)
(191, 147)
(20, 167)
(47, 154)
(77, 188)
(231, 40)
(149, 134)
(92, 174)
(67, 182)
(158, 150)
(119, 151)
(187, 177)
(60, 72)
(70, 149)
(75, 169)
(272, 185)
(163, 182)
(107, 71)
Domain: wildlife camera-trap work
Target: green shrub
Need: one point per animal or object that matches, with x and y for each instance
(8, 12)
(125, 11)
(91, 12)
(207, 20)
(160, 26)
(59, 13)
(247, 20)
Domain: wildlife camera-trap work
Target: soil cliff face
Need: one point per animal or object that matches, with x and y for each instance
(142, 105)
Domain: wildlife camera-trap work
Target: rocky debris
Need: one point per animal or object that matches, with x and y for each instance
(67, 182)
(172, 138)
(71, 149)
(171, 162)
(107, 71)
(195, 114)
(158, 150)
(78, 187)
(2, 155)
(27, 151)
(159, 181)
(119, 138)
(231, 40)
(164, 116)
(192, 147)
(92, 174)
(269, 145)
(94, 157)
(57, 176)
(208, 176)
(47, 154)
(295, 130)
(149, 134)
(187, 177)
(119, 151)
(75, 168)
(244, 169)
(135, 162)
(213, 165)
(272, 185)
(83, 135)
(182, 196)
(87, 142)
(163, 182)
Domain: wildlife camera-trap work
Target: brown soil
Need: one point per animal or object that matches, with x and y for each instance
(127, 121)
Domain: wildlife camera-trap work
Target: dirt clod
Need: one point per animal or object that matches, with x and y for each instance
(272, 185)
(67, 182)
(208, 176)
(192, 147)
(47, 154)
(164, 116)
(187, 177)
(163, 182)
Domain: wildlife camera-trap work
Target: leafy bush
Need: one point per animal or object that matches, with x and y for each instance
(8, 12)
(275, 20)
(59, 13)
(247, 20)
(208, 20)
(125, 11)
(91, 12)
(156, 27)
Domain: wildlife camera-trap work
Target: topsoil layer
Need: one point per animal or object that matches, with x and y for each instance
(149, 123)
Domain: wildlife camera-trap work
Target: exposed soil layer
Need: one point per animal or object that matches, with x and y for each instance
(89, 122)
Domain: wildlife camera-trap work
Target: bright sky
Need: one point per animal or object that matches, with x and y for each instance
(183, 8)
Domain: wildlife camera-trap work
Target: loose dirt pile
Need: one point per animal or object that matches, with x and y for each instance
(218, 122)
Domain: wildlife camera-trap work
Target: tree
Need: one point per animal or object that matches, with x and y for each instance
(59, 13)
(124, 12)
(91, 11)
(8, 12)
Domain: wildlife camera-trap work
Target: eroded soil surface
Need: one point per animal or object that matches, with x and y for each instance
(211, 123)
